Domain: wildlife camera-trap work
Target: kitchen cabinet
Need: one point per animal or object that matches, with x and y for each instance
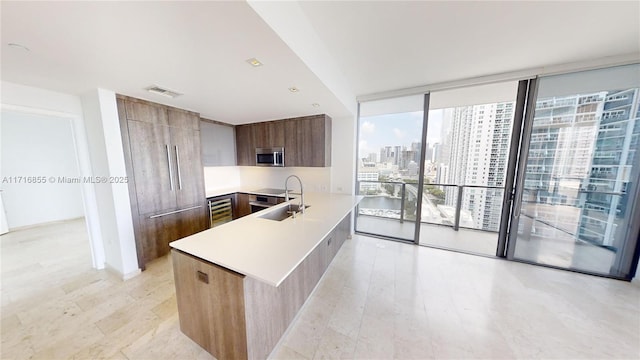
(211, 298)
(150, 157)
(211, 309)
(189, 173)
(245, 148)
(306, 140)
(241, 206)
(336, 238)
(268, 134)
(218, 142)
(157, 232)
(166, 179)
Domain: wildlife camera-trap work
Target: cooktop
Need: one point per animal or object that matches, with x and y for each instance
(271, 191)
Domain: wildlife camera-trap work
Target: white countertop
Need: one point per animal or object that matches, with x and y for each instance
(220, 192)
(227, 191)
(270, 250)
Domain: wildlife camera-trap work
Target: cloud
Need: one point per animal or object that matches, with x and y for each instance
(368, 127)
(399, 133)
(363, 148)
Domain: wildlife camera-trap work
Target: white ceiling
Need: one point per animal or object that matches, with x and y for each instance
(195, 48)
(388, 45)
(200, 48)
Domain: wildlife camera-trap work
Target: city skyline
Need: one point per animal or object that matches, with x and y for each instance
(579, 165)
(406, 128)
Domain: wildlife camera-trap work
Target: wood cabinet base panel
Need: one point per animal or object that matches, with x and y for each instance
(237, 317)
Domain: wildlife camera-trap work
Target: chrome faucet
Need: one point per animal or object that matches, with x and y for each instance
(286, 192)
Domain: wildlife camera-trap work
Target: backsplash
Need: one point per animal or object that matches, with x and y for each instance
(253, 177)
(313, 179)
(221, 177)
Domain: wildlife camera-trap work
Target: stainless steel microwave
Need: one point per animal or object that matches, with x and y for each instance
(270, 156)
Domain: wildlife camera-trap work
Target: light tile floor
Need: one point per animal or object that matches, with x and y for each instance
(378, 300)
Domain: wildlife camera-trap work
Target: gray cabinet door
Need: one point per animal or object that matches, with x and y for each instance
(218, 144)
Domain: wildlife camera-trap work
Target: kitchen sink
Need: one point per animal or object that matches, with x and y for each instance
(282, 213)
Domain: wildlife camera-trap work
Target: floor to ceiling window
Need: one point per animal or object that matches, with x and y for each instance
(389, 157)
(468, 137)
(579, 184)
(542, 170)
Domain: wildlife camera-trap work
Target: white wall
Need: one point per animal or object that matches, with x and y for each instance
(26, 99)
(343, 155)
(99, 148)
(38, 146)
(107, 160)
(40, 99)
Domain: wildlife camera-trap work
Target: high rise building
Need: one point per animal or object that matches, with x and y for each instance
(406, 157)
(581, 153)
(560, 153)
(435, 153)
(616, 147)
(475, 150)
(385, 153)
(397, 154)
(416, 147)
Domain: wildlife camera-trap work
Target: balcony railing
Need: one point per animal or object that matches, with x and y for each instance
(442, 203)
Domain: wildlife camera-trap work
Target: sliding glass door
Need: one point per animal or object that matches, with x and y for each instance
(577, 194)
(542, 171)
(468, 146)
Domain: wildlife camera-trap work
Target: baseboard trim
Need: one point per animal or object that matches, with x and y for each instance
(26, 227)
(120, 275)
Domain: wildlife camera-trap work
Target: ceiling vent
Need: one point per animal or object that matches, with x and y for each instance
(162, 91)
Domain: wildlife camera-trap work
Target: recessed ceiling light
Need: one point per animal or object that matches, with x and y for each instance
(294, 89)
(254, 62)
(18, 46)
(315, 105)
(162, 91)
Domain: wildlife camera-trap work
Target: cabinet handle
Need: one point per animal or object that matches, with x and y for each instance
(204, 277)
(174, 212)
(329, 241)
(178, 166)
(170, 171)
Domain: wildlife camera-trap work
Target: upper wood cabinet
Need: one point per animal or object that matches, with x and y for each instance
(306, 140)
(145, 112)
(245, 149)
(183, 119)
(268, 134)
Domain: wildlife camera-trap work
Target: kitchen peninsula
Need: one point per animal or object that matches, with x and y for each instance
(241, 284)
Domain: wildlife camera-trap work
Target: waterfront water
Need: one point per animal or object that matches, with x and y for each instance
(380, 202)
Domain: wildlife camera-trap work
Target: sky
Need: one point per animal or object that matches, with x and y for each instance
(397, 129)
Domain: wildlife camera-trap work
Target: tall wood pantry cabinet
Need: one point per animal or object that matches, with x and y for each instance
(166, 180)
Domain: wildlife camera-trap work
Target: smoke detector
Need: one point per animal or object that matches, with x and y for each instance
(162, 91)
